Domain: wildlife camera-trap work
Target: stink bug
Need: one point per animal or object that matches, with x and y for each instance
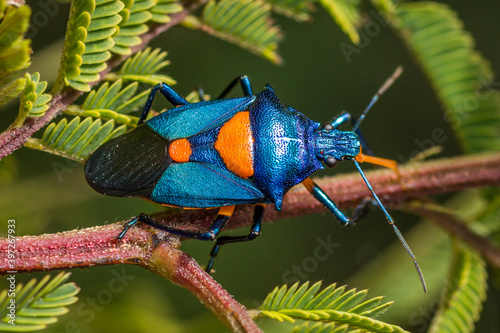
(229, 151)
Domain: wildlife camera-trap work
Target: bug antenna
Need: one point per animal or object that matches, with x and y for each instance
(396, 230)
(375, 98)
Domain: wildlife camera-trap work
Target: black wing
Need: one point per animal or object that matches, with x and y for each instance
(129, 165)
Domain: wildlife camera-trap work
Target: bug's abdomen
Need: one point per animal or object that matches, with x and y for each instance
(129, 165)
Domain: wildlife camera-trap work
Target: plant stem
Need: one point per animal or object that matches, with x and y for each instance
(158, 251)
(178, 267)
(97, 246)
(459, 229)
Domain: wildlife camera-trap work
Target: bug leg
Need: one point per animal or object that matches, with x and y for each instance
(245, 86)
(360, 211)
(254, 233)
(170, 94)
(201, 94)
(222, 217)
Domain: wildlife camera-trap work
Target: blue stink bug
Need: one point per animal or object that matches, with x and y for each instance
(229, 151)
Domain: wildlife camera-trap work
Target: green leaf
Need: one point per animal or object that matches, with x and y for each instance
(245, 23)
(460, 76)
(320, 328)
(346, 14)
(111, 102)
(465, 296)
(163, 8)
(35, 304)
(143, 67)
(298, 10)
(76, 140)
(133, 24)
(14, 49)
(89, 37)
(12, 90)
(33, 100)
(330, 305)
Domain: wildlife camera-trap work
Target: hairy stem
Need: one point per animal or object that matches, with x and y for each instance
(97, 246)
(158, 251)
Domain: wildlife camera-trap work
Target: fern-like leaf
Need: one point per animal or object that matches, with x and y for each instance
(37, 304)
(133, 24)
(346, 14)
(14, 49)
(465, 296)
(143, 67)
(111, 102)
(76, 139)
(321, 328)
(461, 78)
(91, 26)
(163, 8)
(330, 305)
(33, 100)
(243, 22)
(298, 10)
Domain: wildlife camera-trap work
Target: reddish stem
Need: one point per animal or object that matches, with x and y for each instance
(158, 251)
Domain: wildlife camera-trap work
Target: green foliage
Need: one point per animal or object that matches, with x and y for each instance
(77, 139)
(133, 24)
(33, 100)
(11, 90)
(111, 102)
(465, 296)
(38, 304)
(330, 305)
(91, 26)
(322, 328)
(14, 49)
(298, 10)
(143, 67)
(461, 78)
(346, 14)
(245, 23)
(163, 8)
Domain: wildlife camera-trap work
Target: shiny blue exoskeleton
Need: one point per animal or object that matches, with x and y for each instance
(225, 152)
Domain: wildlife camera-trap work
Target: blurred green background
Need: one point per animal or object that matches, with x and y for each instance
(49, 194)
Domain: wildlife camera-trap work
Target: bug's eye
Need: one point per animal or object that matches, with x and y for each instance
(331, 162)
(328, 127)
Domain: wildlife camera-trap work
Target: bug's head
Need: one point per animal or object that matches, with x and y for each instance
(333, 145)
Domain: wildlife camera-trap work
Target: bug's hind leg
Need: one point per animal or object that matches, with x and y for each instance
(254, 233)
(223, 216)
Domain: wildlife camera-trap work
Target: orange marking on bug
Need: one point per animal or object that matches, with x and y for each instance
(235, 145)
(180, 150)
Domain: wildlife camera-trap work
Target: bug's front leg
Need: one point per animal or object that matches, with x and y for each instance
(322, 197)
